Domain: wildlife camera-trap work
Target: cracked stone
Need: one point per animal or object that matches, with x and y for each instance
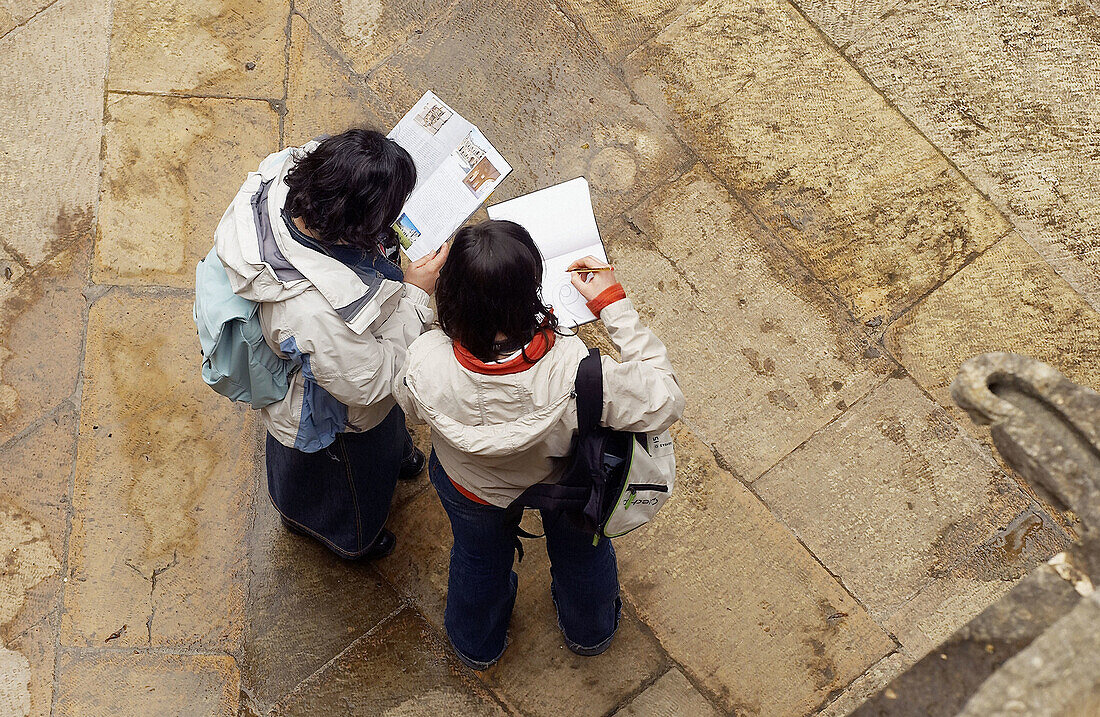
(162, 487)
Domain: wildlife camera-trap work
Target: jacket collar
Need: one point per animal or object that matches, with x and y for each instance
(525, 359)
(350, 294)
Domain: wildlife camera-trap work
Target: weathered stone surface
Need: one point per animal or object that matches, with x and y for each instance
(401, 669)
(763, 626)
(538, 674)
(212, 47)
(945, 605)
(844, 23)
(51, 109)
(34, 502)
(891, 495)
(943, 680)
(324, 96)
(1058, 675)
(869, 205)
(544, 96)
(305, 605)
(11, 271)
(367, 31)
(671, 695)
(1007, 300)
(16, 12)
(789, 360)
(26, 672)
(41, 327)
(619, 26)
(164, 476)
(1008, 91)
(125, 683)
(172, 167)
(866, 685)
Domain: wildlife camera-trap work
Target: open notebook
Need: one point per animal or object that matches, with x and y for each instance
(561, 222)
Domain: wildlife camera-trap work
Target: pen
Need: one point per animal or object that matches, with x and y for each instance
(589, 271)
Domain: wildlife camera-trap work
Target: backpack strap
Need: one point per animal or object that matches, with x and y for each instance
(589, 388)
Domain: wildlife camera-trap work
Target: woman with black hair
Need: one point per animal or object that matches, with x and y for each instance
(495, 383)
(308, 238)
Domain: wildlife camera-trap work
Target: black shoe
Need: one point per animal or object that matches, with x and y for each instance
(382, 546)
(412, 466)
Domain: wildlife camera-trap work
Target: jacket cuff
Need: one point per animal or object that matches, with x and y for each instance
(416, 295)
(606, 297)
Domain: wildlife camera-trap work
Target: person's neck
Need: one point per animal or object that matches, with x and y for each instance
(301, 225)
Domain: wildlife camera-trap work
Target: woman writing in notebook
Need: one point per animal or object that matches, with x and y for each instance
(495, 384)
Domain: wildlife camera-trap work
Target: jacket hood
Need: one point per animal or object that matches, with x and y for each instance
(265, 264)
(491, 416)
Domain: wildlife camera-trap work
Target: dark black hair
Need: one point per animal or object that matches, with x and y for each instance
(351, 187)
(492, 284)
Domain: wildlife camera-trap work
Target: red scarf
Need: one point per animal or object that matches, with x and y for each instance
(536, 349)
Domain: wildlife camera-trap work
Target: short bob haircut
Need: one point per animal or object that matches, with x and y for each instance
(350, 189)
(490, 285)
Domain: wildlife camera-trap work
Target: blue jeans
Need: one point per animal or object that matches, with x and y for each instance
(481, 585)
(340, 495)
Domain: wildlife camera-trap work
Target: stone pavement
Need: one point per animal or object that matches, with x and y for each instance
(823, 208)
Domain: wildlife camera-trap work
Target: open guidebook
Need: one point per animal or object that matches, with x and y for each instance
(561, 222)
(456, 170)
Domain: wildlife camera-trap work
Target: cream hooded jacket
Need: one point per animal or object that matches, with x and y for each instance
(345, 330)
(496, 435)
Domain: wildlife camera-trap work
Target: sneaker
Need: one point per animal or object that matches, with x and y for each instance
(382, 546)
(412, 466)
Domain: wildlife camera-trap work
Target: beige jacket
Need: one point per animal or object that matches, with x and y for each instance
(496, 435)
(345, 332)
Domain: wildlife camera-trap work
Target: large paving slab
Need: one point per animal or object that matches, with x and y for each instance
(542, 93)
(366, 32)
(765, 357)
(164, 479)
(670, 696)
(41, 338)
(873, 209)
(891, 495)
(146, 684)
(51, 107)
(305, 605)
(324, 95)
(1008, 91)
(172, 166)
(738, 602)
(34, 503)
(403, 668)
(1007, 300)
(945, 605)
(620, 26)
(214, 47)
(538, 674)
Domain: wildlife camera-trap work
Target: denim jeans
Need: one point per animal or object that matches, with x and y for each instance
(341, 495)
(481, 585)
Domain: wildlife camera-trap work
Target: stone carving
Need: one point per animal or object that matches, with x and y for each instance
(1048, 429)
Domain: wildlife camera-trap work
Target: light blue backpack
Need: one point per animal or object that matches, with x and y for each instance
(236, 361)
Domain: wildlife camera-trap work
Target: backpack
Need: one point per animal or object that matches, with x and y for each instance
(615, 480)
(236, 360)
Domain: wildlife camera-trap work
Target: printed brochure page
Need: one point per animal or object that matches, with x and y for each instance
(456, 171)
(561, 221)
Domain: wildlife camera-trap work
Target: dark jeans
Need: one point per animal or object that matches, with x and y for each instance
(340, 495)
(481, 585)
